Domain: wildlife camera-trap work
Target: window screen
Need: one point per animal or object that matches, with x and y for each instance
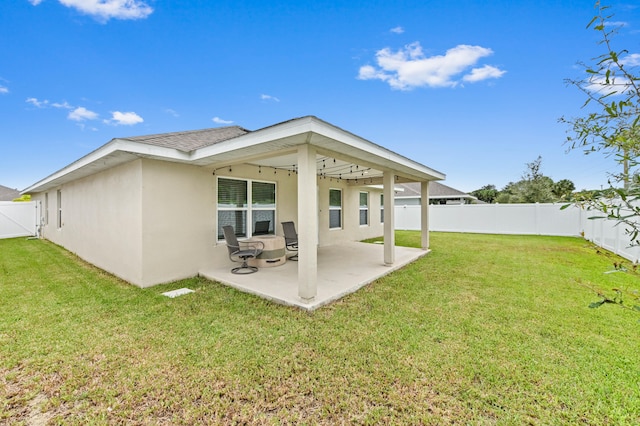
(335, 208)
(255, 218)
(364, 208)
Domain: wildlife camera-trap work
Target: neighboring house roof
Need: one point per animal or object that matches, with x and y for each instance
(8, 194)
(437, 190)
(268, 147)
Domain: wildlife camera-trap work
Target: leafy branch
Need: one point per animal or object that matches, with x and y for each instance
(615, 296)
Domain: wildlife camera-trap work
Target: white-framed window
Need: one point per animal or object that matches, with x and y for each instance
(381, 208)
(46, 208)
(59, 206)
(364, 208)
(335, 208)
(247, 205)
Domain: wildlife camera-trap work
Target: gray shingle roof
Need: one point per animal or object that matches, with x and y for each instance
(436, 190)
(190, 140)
(8, 194)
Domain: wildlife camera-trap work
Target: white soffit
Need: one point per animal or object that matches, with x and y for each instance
(112, 154)
(268, 141)
(325, 136)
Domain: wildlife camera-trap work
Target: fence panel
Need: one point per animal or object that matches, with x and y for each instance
(18, 219)
(522, 219)
(610, 235)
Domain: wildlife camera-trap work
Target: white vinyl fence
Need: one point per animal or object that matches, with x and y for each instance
(521, 219)
(18, 219)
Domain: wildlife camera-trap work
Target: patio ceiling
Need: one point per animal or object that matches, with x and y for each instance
(341, 155)
(327, 167)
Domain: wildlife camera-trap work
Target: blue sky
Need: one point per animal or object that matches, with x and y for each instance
(473, 89)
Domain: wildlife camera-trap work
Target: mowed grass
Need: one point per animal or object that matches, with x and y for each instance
(484, 330)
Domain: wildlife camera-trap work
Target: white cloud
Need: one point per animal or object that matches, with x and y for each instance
(616, 24)
(81, 114)
(397, 30)
(617, 84)
(46, 104)
(269, 98)
(409, 68)
(172, 112)
(484, 73)
(4, 90)
(36, 103)
(631, 60)
(64, 105)
(108, 9)
(124, 118)
(220, 120)
(83, 127)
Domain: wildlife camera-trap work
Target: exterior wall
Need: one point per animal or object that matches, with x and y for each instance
(287, 208)
(351, 228)
(151, 222)
(178, 214)
(101, 219)
(286, 203)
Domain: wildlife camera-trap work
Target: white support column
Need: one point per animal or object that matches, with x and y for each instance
(388, 181)
(307, 223)
(424, 214)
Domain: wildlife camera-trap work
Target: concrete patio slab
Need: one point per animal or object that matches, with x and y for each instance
(342, 269)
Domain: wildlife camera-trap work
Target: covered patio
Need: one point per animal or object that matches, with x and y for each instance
(342, 269)
(316, 158)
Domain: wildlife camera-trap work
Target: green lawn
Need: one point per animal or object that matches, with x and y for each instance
(484, 330)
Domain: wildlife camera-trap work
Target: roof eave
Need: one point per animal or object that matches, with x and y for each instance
(103, 153)
(323, 135)
(289, 134)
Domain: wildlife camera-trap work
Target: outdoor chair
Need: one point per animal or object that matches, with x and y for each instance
(262, 227)
(290, 238)
(241, 251)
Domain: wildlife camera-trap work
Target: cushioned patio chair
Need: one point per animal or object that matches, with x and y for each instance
(262, 227)
(241, 251)
(290, 238)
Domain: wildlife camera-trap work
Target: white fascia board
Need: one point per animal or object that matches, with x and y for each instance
(312, 125)
(465, 196)
(115, 145)
(284, 130)
(287, 130)
(170, 154)
(332, 132)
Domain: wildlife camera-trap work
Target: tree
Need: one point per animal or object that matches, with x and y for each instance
(26, 197)
(563, 189)
(487, 193)
(534, 187)
(611, 124)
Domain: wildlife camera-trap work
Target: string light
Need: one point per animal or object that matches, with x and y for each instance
(347, 172)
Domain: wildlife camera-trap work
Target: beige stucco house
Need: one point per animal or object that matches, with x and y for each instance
(149, 209)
